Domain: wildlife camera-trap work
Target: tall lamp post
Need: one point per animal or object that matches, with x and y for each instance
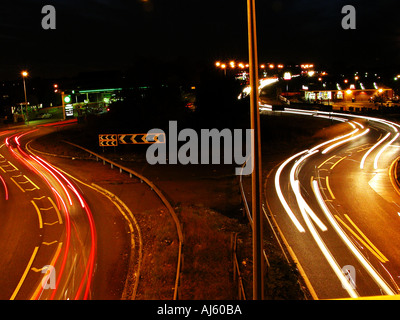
(258, 263)
(24, 75)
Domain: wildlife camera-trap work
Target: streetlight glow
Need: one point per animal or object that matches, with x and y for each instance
(24, 75)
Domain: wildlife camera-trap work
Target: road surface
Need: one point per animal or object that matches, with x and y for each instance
(48, 235)
(337, 206)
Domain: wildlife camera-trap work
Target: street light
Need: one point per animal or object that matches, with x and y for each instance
(223, 67)
(24, 75)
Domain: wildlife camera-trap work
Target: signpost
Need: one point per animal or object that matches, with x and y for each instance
(141, 138)
(108, 140)
(113, 140)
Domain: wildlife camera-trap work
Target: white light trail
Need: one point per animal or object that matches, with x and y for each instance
(280, 195)
(296, 189)
(346, 140)
(383, 149)
(377, 278)
(370, 150)
(328, 256)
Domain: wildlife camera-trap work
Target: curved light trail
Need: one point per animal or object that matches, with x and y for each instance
(309, 215)
(63, 191)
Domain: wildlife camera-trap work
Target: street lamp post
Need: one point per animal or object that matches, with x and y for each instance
(24, 75)
(258, 263)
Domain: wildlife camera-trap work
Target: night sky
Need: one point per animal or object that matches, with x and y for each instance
(112, 34)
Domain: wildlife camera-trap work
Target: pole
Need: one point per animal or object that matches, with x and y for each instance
(63, 104)
(26, 103)
(258, 265)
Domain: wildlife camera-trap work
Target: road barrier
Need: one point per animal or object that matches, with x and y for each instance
(241, 295)
(162, 198)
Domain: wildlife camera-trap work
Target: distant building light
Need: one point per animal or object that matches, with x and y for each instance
(287, 76)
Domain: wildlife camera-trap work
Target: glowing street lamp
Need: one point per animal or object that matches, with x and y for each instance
(223, 67)
(24, 75)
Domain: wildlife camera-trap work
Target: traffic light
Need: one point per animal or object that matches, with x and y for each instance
(67, 98)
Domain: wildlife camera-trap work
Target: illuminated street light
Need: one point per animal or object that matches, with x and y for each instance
(223, 67)
(24, 75)
(218, 64)
(349, 91)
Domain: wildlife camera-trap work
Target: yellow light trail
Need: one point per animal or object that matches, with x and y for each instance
(373, 273)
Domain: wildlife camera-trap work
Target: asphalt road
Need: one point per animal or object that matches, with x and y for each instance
(49, 241)
(338, 209)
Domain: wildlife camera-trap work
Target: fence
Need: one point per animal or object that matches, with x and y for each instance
(162, 198)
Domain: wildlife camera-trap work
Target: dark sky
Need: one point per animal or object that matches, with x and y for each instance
(106, 34)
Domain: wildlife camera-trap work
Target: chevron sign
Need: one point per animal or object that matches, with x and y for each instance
(141, 138)
(108, 140)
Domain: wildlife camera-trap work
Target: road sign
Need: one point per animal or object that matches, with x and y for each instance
(108, 140)
(141, 138)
